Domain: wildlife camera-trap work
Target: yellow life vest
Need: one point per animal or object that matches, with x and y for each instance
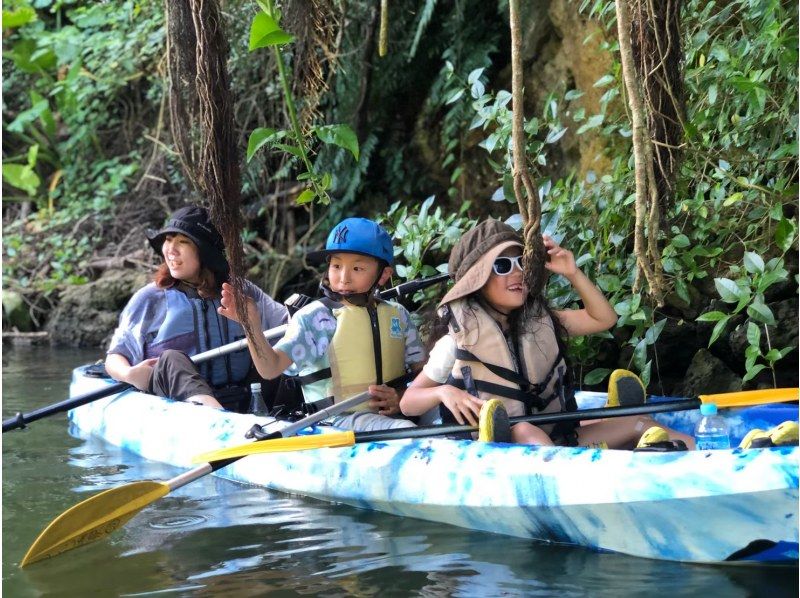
(368, 347)
(485, 365)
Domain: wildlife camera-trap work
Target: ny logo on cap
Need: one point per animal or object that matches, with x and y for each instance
(340, 236)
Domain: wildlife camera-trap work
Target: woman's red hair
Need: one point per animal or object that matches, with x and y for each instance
(208, 286)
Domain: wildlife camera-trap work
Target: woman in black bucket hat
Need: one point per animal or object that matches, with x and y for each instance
(175, 317)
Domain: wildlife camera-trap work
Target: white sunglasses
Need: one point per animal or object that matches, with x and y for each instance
(503, 266)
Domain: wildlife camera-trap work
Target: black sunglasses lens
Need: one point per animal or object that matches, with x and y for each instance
(502, 265)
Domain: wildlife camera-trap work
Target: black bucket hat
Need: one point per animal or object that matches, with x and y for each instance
(194, 222)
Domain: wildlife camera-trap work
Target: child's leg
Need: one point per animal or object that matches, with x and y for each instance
(525, 433)
(624, 432)
(366, 421)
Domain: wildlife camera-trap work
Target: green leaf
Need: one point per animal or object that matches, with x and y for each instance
(712, 93)
(19, 17)
(555, 134)
(785, 233)
(680, 241)
(596, 376)
(305, 197)
(292, 149)
(712, 316)
(728, 290)
(682, 290)
(455, 97)
(573, 94)
(753, 262)
(640, 355)
(753, 334)
(341, 135)
(733, 198)
(604, 80)
(652, 334)
(474, 75)
(258, 138)
(753, 372)
(718, 330)
(592, 123)
(22, 177)
(761, 313)
(265, 32)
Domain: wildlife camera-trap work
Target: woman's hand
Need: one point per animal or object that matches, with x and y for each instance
(465, 407)
(561, 260)
(139, 375)
(385, 399)
(228, 307)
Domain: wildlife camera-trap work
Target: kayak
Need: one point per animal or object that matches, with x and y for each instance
(736, 506)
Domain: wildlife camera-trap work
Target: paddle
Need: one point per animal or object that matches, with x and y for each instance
(20, 420)
(106, 512)
(343, 439)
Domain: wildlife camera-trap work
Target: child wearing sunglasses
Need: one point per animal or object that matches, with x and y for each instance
(500, 341)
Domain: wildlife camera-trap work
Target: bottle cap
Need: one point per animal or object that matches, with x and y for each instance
(255, 386)
(708, 409)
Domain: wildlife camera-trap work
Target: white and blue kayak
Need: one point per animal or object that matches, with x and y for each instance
(737, 506)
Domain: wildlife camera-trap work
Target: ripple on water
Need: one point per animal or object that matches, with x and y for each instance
(174, 522)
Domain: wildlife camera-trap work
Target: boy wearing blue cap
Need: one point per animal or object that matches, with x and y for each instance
(349, 341)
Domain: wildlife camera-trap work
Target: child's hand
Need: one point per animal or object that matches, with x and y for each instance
(561, 260)
(465, 407)
(228, 306)
(386, 400)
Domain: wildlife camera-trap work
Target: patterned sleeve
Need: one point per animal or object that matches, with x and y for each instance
(273, 314)
(415, 352)
(307, 338)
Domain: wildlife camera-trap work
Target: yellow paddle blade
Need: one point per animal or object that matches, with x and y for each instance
(280, 445)
(746, 398)
(93, 518)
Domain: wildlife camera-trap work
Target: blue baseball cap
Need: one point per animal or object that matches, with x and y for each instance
(358, 235)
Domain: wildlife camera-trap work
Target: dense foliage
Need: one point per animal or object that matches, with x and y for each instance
(85, 140)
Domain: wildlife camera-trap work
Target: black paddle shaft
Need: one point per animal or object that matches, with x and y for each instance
(21, 419)
(539, 419)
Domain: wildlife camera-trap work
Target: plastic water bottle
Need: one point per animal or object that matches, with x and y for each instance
(711, 432)
(257, 404)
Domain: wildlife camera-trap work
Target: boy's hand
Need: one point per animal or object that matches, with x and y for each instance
(465, 407)
(561, 260)
(386, 400)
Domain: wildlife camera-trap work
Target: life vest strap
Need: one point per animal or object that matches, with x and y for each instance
(322, 374)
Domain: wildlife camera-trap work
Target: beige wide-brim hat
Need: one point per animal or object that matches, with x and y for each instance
(471, 260)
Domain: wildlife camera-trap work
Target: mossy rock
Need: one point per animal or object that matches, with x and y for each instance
(88, 314)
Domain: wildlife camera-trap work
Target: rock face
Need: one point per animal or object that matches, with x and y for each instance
(87, 315)
(707, 375)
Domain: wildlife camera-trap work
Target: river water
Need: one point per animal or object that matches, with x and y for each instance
(214, 537)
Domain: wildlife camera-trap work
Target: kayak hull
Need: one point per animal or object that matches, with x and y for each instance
(731, 506)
